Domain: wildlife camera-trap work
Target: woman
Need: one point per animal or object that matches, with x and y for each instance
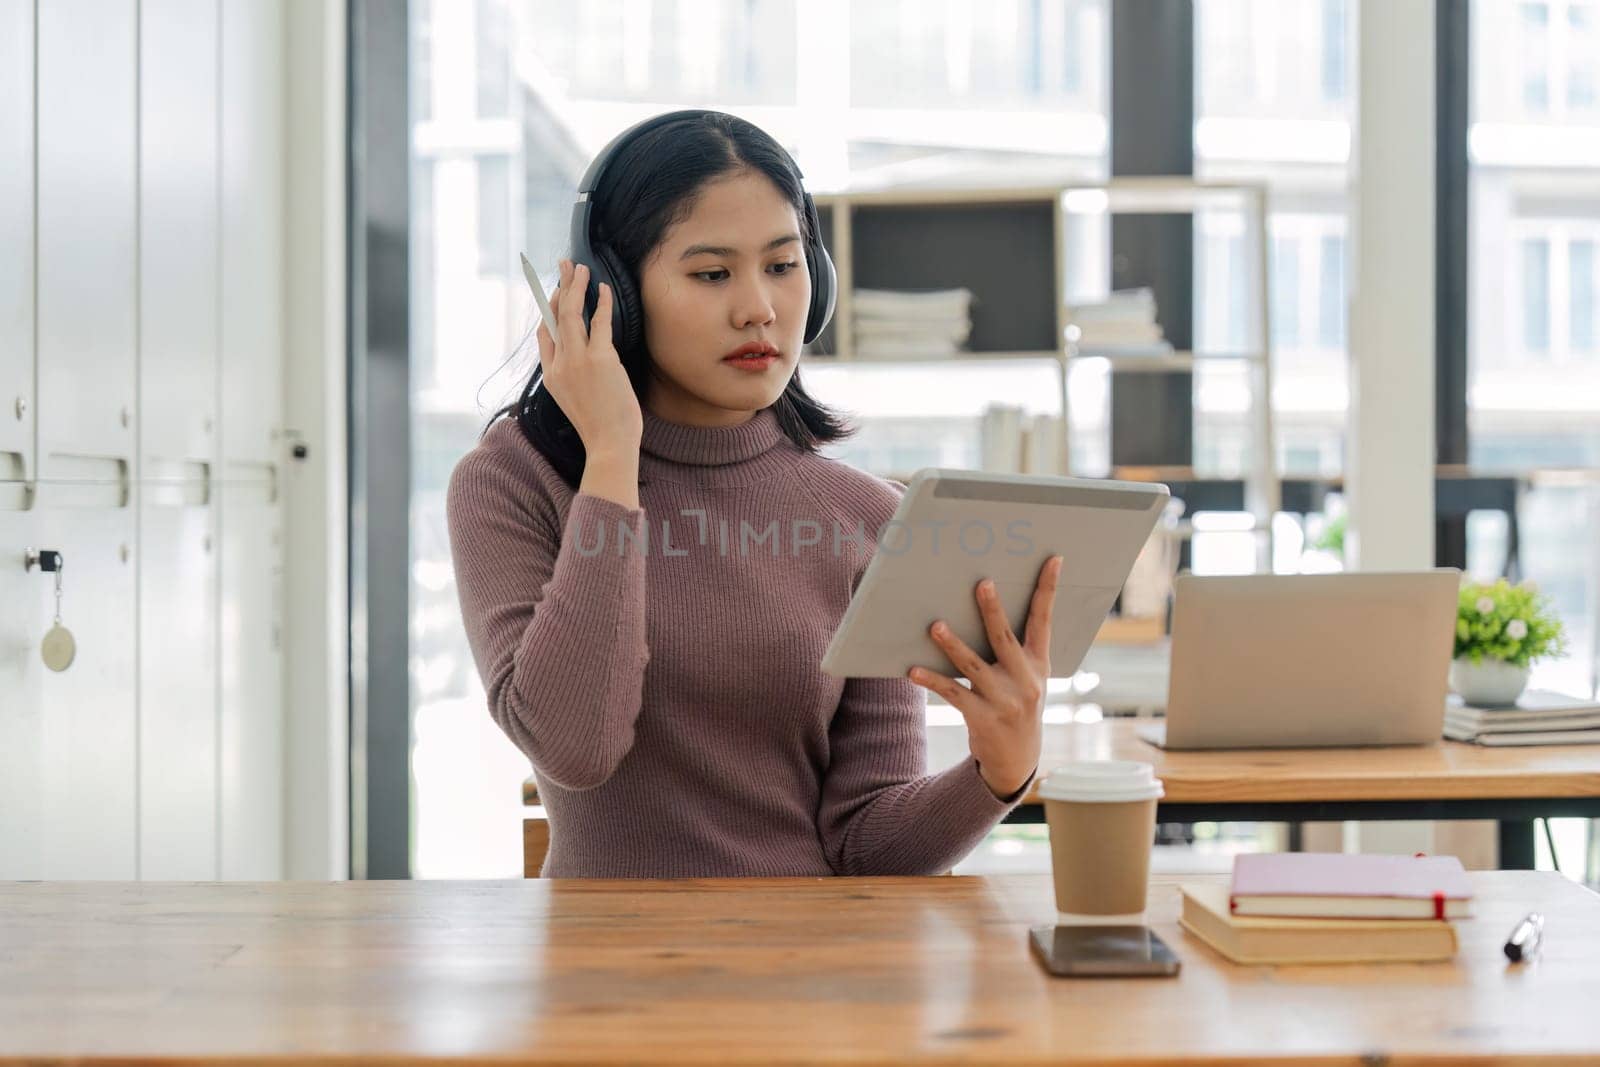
(660, 672)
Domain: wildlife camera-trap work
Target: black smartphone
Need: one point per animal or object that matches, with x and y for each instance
(1102, 951)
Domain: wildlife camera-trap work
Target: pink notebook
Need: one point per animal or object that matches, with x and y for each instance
(1336, 885)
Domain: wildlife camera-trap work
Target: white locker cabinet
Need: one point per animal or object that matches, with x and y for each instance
(177, 683)
(87, 78)
(252, 38)
(79, 726)
(178, 237)
(25, 611)
(251, 660)
(17, 402)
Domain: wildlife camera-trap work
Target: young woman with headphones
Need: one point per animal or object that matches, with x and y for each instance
(651, 553)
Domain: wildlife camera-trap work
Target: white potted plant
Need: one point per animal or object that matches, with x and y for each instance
(1501, 629)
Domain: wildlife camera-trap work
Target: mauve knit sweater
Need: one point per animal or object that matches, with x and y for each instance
(664, 676)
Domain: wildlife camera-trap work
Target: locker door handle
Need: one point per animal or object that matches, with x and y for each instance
(46, 559)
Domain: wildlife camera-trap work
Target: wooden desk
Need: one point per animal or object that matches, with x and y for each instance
(864, 971)
(1443, 781)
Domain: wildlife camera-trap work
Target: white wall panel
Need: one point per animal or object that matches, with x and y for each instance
(17, 402)
(27, 601)
(142, 325)
(252, 365)
(252, 231)
(178, 237)
(87, 249)
(87, 733)
(177, 684)
(251, 661)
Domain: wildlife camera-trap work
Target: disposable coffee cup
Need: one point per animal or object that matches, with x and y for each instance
(1102, 818)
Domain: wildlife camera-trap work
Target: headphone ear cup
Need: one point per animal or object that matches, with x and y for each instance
(824, 284)
(824, 279)
(627, 313)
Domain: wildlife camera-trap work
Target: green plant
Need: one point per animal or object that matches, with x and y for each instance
(1512, 623)
(1332, 537)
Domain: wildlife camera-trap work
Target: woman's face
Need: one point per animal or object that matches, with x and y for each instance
(731, 272)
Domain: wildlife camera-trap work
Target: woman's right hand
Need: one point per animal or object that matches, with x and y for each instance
(583, 371)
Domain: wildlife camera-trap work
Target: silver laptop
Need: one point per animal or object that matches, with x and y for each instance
(1295, 661)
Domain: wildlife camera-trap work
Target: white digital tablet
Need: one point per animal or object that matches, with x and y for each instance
(954, 528)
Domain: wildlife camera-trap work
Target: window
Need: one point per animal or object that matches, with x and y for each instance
(1583, 55)
(1533, 398)
(1224, 29)
(1335, 63)
(1534, 31)
(492, 46)
(1542, 65)
(1536, 294)
(494, 216)
(1221, 293)
(1285, 268)
(422, 273)
(1051, 49)
(1331, 312)
(1273, 106)
(1238, 302)
(1023, 52)
(422, 60)
(1581, 296)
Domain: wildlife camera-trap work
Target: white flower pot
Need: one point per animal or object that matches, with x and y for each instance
(1492, 683)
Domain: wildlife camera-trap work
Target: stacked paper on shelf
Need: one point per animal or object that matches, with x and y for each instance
(1539, 717)
(1012, 441)
(1044, 445)
(1000, 438)
(908, 325)
(1125, 319)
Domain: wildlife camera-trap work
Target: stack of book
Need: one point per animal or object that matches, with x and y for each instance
(1539, 717)
(1012, 441)
(1122, 324)
(911, 325)
(1315, 907)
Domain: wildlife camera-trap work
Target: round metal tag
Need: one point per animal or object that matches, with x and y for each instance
(59, 648)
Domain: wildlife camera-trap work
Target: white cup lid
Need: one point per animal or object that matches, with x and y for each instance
(1102, 781)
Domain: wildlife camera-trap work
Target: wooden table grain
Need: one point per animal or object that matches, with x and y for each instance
(1444, 780)
(763, 971)
(1447, 770)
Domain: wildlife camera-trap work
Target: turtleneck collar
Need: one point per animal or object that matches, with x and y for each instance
(710, 446)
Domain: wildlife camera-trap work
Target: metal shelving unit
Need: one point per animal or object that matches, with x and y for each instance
(989, 240)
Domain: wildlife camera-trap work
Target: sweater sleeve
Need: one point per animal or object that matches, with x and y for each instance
(555, 618)
(881, 812)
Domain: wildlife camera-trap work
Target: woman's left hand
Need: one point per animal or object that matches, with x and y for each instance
(1004, 709)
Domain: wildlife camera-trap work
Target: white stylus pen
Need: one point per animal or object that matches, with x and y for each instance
(549, 317)
(1524, 942)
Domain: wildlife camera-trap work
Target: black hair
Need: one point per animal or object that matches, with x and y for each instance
(651, 184)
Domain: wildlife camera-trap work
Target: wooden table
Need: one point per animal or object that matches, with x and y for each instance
(860, 971)
(1442, 781)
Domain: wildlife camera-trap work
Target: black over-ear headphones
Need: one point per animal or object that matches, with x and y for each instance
(627, 312)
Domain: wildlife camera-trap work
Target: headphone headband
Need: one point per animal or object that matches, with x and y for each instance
(627, 317)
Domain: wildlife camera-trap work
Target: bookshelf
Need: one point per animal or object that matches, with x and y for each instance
(1025, 253)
